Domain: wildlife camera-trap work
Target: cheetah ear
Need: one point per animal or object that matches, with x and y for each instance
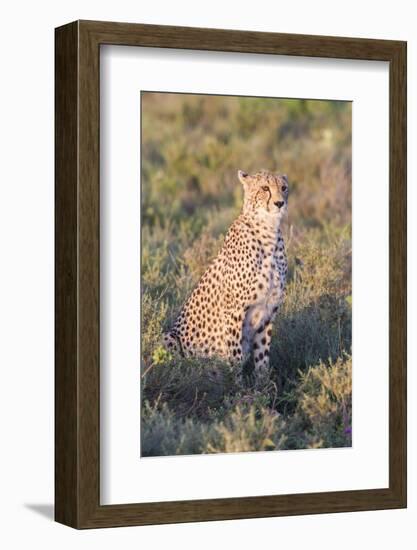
(243, 176)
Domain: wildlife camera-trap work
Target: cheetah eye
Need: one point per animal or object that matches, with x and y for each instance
(284, 188)
(265, 188)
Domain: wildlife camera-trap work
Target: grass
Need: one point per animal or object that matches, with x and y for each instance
(192, 147)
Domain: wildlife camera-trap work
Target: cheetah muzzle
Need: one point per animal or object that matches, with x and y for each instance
(230, 312)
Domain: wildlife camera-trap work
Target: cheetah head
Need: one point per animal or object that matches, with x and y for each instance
(264, 192)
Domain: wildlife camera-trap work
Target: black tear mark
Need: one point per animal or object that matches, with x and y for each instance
(270, 197)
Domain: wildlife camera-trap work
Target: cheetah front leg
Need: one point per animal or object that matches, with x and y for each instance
(234, 333)
(261, 350)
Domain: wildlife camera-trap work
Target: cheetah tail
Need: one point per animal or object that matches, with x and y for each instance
(172, 342)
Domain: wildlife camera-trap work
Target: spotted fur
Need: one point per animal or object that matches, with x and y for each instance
(230, 312)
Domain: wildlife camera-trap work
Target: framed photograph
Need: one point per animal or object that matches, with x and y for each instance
(230, 274)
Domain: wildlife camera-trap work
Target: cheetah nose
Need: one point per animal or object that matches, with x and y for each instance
(280, 204)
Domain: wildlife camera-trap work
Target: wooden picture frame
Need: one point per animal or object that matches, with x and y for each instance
(77, 374)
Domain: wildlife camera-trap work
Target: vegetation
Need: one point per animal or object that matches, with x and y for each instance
(192, 147)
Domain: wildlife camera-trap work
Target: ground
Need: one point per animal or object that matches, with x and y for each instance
(192, 149)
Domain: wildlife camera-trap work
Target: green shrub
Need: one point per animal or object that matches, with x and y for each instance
(323, 415)
(250, 430)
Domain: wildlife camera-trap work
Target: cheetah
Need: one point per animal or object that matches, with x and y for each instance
(230, 312)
